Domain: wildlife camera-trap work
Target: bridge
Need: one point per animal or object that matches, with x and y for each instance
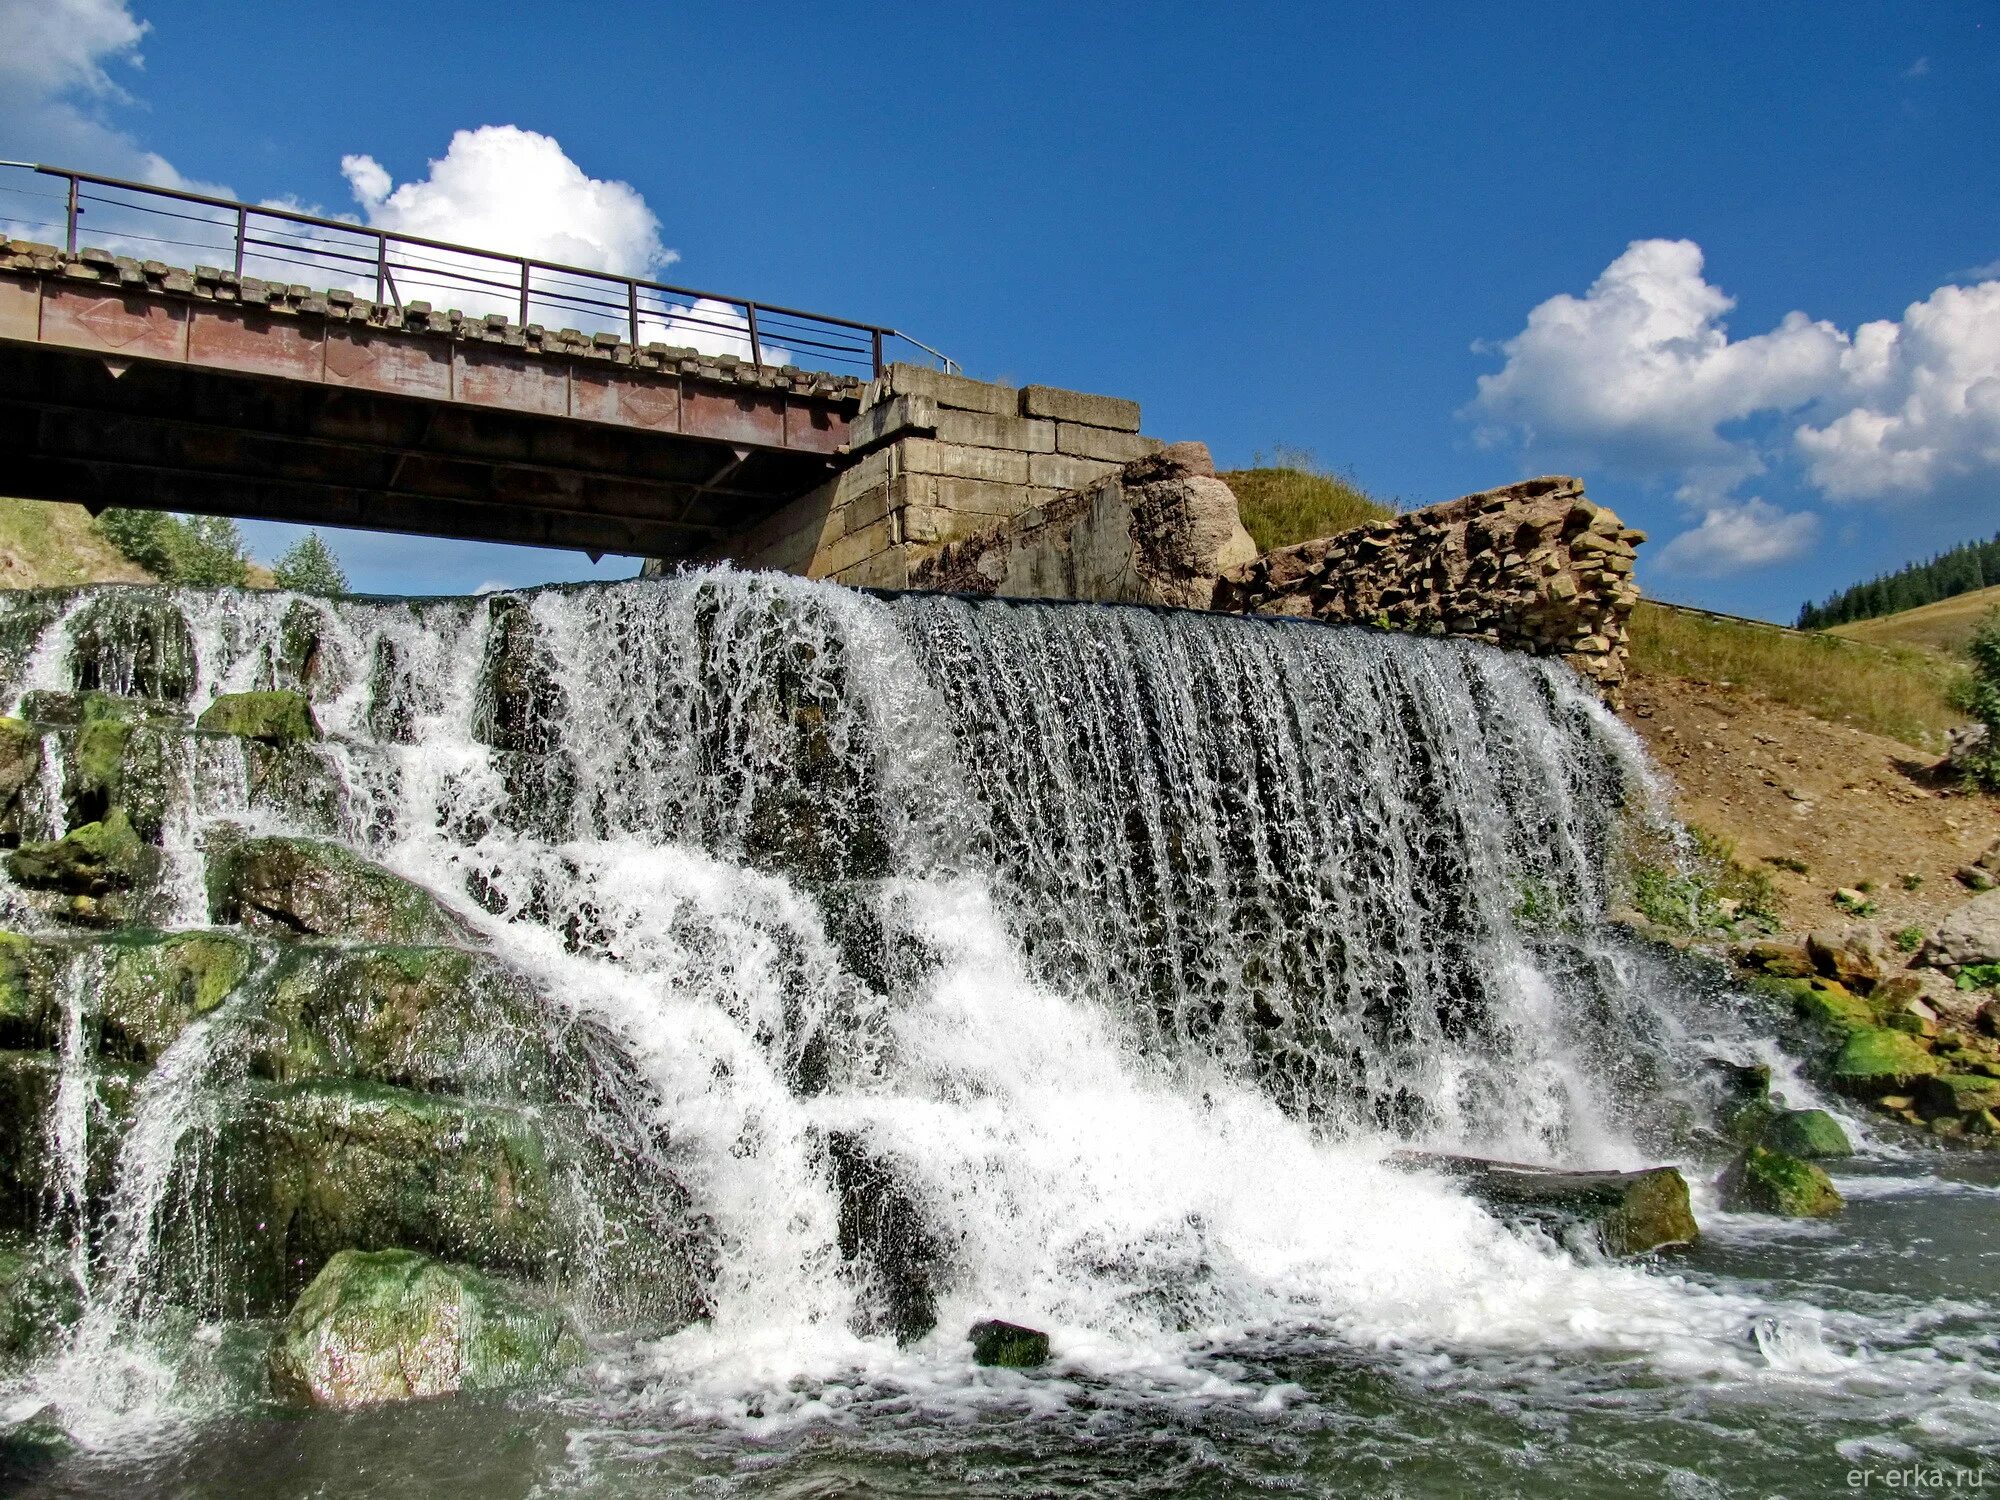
(175, 351)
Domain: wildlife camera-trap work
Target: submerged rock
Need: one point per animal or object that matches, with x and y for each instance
(393, 1325)
(1008, 1345)
(322, 890)
(1629, 1212)
(1765, 1181)
(886, 1238)
(1806, 1133)
(277, 717)
(20, 763)
(37, 1300)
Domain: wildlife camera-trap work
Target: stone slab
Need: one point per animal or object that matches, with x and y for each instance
(1065, 472)
(983, 497)
(1102, 443)
(996, 465)
(856, 546)
(904, 414)
(978, 430)
(954, 391)
(1076, 406)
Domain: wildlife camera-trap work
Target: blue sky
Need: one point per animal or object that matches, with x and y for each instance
(1306, 225)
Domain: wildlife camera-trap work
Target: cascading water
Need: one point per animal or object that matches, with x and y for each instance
(1118, 947)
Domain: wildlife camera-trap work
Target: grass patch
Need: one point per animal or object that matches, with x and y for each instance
(1702, 892)
(45, 544)
(1287, 496)
(1893, 691)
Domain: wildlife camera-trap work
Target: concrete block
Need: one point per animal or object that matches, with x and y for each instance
(953, 391)
(1066, 472)
(856, 546)
(880, 423)
(1103, 443)
(877, 468)
(932, 525)
(887, 569)
(982, 497)
(978, 430)
(865, 510)
(1075, 406)
(998, 465)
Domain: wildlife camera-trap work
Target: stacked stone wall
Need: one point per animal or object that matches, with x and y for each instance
(1533, 567)
(935, 458)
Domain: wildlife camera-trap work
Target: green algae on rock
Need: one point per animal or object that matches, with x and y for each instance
(394, 1325)
(1766, 1181)
(1625, 1213)
(318, 889)
(94, 861)
(1008, 1346)
(1806, 1133)
(277, 717)
(134, 642)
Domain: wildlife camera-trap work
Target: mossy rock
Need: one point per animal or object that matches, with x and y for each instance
(1810, 1134)
(1824, 1002)
(1875, 1060)
(294, 1174)
(1627, 1213)
(135, 643)
(277, 717)
(440, 1020)
(1008, 1346)
(1653, 1213)
(20, 765)
(1946, 1094)
(1765, 1181)
(297, 781)
(28, 1013)
(95, 860)
(154, 987)
(38, 1299)
(307, 887)
(59, 710)
(393, 1325)
(28, 1083)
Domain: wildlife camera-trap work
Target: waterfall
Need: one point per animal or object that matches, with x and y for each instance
(1123, 945)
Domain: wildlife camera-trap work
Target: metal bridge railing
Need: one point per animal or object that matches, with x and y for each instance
(278, 244)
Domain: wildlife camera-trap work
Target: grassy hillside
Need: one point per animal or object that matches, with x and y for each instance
(1893, 690)
(46, 545)
(1290, 498)
(1944, 627)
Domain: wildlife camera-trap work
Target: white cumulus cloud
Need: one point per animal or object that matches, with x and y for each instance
(1923, 398)
(504, 188)
(1641, 374)
(61, 66)
(1734, 537)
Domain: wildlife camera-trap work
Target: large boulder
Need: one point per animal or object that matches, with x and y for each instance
(1848, 958)
(305, 886)
(1766, 1181)
(276, 718)
(393, 1325)
(1628, 1213)
(1809, 1134)
(887, 1240)
(1969, 934)
(1876, 1060)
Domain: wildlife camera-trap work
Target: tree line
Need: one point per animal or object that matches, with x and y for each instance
(1968, 566)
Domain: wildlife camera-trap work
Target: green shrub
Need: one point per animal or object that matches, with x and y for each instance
(309, 567)
(1909, 939)
(1704, 890)
(1979, 977)
(199, 551)
(1977, 694)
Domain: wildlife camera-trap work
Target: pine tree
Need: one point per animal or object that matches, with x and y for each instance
(311, 568)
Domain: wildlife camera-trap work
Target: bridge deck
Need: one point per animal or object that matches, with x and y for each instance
(128, 383)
